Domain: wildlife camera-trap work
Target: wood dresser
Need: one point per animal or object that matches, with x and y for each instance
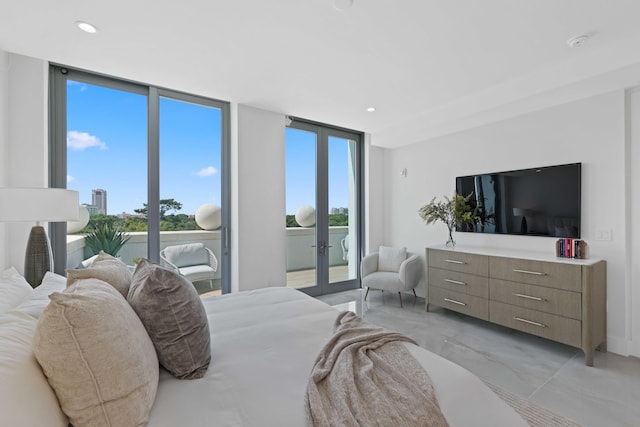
(561, 299)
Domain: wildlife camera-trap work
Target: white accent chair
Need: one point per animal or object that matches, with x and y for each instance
(194, 261)
(391, 269)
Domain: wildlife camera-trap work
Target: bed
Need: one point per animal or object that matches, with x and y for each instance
(263, 346)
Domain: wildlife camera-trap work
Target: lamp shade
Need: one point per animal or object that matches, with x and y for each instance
(38, 204)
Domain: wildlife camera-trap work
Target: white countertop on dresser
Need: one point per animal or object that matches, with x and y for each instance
(516, 253)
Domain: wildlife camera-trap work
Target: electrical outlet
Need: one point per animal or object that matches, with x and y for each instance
(604, 235)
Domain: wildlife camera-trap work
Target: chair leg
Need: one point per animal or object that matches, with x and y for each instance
(400, 296)
(366, 293)
(211, 283)
(414, 293)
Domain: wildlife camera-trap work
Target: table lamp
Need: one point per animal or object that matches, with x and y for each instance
(36, 205)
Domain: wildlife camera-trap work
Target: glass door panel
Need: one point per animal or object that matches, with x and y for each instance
(342, 169)
(301, 208)
(106, 131)
(322, 208)
(190, 205)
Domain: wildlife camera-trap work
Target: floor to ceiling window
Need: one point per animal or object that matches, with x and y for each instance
(148, 163)
(323, 188)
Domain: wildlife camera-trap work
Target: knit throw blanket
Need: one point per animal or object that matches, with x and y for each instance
(364, 376)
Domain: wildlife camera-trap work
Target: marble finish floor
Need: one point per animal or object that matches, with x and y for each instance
(547, 373)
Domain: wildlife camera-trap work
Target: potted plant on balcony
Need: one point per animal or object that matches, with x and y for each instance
(454, 211)
(106, 237)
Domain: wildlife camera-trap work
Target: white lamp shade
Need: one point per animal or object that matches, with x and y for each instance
(38, 204)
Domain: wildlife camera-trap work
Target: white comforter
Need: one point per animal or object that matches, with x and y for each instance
(264, 344)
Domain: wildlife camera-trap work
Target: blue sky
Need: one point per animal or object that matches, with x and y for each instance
(107, 148)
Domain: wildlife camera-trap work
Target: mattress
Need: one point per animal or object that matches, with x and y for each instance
(263, 346)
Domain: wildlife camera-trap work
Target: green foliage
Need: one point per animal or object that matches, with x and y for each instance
(106, 237)
(454, 211)
(291, 221)
(335, 220)
(166, 205)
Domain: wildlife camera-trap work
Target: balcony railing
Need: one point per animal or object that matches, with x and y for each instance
(301, 253)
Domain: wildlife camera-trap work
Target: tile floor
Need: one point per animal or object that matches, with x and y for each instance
(547, 373)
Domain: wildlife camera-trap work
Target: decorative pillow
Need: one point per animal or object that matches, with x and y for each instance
(187, 255)
(171, 310)
(97, 356)
(39, 298)
(390, 259)
(13, 289)
(107, 268)
(26, 399)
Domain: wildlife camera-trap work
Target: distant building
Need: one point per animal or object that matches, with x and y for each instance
(93, 209)
(339, 211)
(99, 199)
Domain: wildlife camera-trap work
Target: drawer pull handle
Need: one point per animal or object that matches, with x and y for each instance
(534, 273)
(530, 297)
(455, 282)
(530, 322)
(454, 261)
(455, 302)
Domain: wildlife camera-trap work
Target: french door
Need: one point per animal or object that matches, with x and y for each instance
(156, 158)
(323, 208)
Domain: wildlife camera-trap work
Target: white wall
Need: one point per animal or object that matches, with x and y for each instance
(591, 131)
(26, 133)
(633, 212)
(258, 192)
(4, 146)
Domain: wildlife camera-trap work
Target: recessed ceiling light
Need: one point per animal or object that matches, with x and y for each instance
(86, 27)
(371, 109)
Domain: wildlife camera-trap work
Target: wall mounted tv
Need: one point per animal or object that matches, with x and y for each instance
(541, 201)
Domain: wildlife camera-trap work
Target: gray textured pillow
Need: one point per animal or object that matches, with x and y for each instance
(97, 356)
(106, 268)
(171, 310)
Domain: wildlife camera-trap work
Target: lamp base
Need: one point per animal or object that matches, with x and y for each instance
(38, 258)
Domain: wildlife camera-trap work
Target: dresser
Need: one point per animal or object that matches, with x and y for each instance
(560, 299)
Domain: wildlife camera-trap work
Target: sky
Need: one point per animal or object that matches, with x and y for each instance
(107, 149)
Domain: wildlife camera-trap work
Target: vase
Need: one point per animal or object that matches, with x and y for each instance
(451, 243)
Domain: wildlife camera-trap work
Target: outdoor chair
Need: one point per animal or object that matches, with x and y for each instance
(194, 261)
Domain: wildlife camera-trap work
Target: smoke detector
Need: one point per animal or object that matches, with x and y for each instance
(577, 41)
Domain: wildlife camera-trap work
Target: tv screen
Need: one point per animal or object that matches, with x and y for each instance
(541, 201)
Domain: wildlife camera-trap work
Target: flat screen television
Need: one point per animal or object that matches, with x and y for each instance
(541, 201)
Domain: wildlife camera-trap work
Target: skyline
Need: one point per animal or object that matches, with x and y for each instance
(107, 149)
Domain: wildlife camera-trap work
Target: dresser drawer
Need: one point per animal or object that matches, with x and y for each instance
(552, 274)
(459, 261)
(459, 282)
(557, 328)
(540, 298)
(457, 301)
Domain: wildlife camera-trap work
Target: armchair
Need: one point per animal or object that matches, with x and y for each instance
(391, 269)
(193, 260)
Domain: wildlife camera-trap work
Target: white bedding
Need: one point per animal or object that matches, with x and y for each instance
(264, 344)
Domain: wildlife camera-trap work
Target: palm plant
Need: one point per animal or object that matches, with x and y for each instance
(106, 237)
(454, 211)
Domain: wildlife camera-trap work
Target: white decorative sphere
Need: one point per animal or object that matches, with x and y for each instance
(306, 216)
(76, 226)
(209, 216)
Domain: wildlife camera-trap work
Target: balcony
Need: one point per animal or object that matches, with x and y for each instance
(300, 253)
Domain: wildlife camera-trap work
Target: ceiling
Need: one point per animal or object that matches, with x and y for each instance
(428, 66)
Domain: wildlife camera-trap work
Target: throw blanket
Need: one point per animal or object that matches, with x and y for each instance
(364, 376)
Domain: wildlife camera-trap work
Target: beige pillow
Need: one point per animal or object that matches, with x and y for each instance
(171, 310)
(390, 259)
(107, 268)
(97, 356)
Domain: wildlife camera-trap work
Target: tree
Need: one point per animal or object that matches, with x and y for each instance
(166, 205)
